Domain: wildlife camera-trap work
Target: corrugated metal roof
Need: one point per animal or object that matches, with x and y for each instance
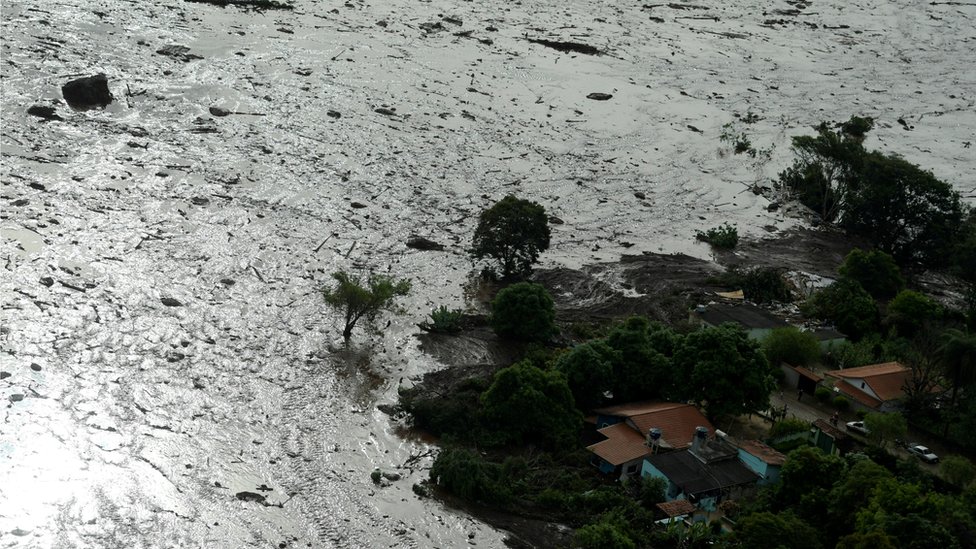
(749, 316)
(694, 477)
(763, 452)
(676, 508)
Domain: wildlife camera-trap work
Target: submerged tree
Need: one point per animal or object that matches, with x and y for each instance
(354, 298)
(513, 232)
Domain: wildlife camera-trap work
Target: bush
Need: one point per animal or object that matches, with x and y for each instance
(847, 305)
(444, 321)
(760, 284)
(875, 271)
(841, 403)
(823, 394)
(911, 310)
(724, 237)
(790, 345)
(467, 475)
(603, 535)
(525, 312)
(788, 427)
(513, 232)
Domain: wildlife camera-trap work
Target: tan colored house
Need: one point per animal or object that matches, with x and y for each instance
(877, 387)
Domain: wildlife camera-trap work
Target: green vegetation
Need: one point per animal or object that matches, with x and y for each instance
(841, 403)
(909, 311)
(513, 233)
(355, 299)
(823, 394)
(524, 311)
(444, 321)
(957, 471)
(792, 346)
(847, 305)
(789, 426)
(885, 428)
(589, 373)
(898, 207)
(875, 271)
(526, 405)
(759, 284)
(724, 237)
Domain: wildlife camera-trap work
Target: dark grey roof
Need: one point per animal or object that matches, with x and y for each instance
(747, 315)
(697, 478)
(826, 334)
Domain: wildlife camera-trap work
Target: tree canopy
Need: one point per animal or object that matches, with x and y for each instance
(846, 304)
(725, 369)
(791, 345)
(875, 271)
(588, 372)
(524, 311)
(532, 406)
(513, 232)
(354, 299)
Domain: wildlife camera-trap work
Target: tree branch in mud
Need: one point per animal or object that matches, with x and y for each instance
(356, 299)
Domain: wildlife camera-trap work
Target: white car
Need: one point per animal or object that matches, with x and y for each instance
(857, 427)
(922, 453)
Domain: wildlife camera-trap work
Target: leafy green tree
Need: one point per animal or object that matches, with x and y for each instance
(603, 535)
(774, 531)
(759, 284)
(513, 232)
(725, 369)
(910, 310)
(851, 493)
(807, 477)
(588, 372)
(907, 513)
(652, 490)
(527, 405)
(354, 299)
(957, 355)
(640, 371)
(792, 346)
(875, 271)
(847, 305)
(868, 540)
(903, 210)
(957, 470)
(525, 312)
(824, 166)
(885, 428)
(963, 262)
(469, 476)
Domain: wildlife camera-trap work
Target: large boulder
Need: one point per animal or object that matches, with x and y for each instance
(88, 92)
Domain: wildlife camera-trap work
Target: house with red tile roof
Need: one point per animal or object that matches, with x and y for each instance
(877, 387)
(635, 430)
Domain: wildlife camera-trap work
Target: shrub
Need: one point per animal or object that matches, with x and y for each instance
(788, 427)
(911, 310)
(760, 284)
(724, 237)
(603, 535)
(841, 402)
(847, 305)
(958, 471)
(823, 394)
(513, 232)
(355, 298)
(525, 312)
(875, 271)
(790, 345)
(444, 320)
(467, 475)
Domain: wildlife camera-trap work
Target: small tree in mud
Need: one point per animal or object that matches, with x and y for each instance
(354, 298)
(513, 232)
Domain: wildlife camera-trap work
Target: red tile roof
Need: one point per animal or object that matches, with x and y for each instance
(834, 432)
(809, 374)
(623, 444)
(763, 452)
(676, 421)
(857, 394)
(885, 380)
(676, 508)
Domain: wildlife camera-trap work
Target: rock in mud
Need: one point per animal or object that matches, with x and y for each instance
(88, 92)
(333, 114)
(219, 111)
(36, 367)
(181, 53)
(574, 47)
(250, 496)
(4, 375)
(599, 96)
(47, 281)
(44, 112)
(170, 302)
(421, 243)
(16, 397)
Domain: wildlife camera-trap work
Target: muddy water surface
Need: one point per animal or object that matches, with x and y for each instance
(165, 343)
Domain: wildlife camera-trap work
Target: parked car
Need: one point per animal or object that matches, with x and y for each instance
(857, 427)
(922, 453)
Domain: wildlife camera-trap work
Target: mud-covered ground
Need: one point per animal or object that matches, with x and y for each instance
(164, 347)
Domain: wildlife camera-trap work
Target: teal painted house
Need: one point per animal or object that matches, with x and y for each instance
(763, 460)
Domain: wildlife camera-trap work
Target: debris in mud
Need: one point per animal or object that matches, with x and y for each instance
(47, 281)
(16, 397)
(694, 129)
(170, 302)
(247, 4)
(181, 53)
(219, 111)
(4, 375)
(88, 92)
(385, 111)
(44, 111)
(421, 243)
(250, 496)
(333, 114)
(203, 125)
(575, 47)
(358, 205)
(35, 366)
(599, 96)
